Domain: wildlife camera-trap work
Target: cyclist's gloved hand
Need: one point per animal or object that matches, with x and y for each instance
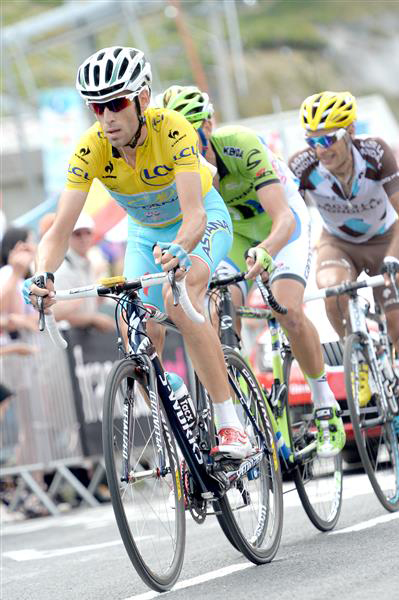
(26, 290)
(41, 284)
(390, 266)
(171, 256)
(259, 262)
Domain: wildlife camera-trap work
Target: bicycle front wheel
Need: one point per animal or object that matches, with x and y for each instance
(252, 510)
(144, 479)
(373, 424)
(317, 480)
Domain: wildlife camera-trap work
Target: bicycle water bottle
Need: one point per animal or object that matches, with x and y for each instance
(282, 447)
(183, 397)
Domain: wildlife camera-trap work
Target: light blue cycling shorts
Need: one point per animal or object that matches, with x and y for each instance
(214, 246)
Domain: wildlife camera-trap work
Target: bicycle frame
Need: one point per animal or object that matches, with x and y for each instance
(210, 482)
(358, 324)
(277, 401)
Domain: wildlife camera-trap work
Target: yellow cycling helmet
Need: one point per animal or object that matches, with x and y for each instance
(328, 110)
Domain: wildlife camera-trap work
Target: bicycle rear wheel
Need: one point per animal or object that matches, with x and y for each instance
(373, 426)
(152, 531)
(252, 510)
(318, 480)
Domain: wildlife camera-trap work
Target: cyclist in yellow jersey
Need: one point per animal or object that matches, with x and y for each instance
(148, 159)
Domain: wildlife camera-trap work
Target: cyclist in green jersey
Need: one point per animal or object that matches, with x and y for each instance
(271, 222)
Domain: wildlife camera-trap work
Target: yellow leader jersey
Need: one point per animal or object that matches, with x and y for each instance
(148, 191)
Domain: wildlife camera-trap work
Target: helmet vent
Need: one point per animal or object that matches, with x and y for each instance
(124, 66)
(86, 73)
(108, 70)
(117, 51)
(136, 72)
(96, 74)
(101, 56)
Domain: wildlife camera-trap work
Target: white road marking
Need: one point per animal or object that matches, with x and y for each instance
(367, 524)
(32, 554)
(181, 585)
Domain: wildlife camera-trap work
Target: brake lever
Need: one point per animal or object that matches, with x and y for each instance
(42, 323)
(175, 289)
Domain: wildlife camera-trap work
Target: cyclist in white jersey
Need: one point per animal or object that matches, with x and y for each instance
(354, 182)
(269, 218)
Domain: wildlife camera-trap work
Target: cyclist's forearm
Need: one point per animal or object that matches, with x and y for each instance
(51, 252)
(191, 230)
(282, 229)
(393, 249)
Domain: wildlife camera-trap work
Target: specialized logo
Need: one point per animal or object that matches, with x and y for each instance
(190, 435)
(252, 162)
(232, 151)
(125, 439)
(173, 134)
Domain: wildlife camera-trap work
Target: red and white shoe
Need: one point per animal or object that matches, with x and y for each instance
(233, 443)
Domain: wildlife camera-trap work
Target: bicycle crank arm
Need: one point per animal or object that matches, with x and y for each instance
(246, 466)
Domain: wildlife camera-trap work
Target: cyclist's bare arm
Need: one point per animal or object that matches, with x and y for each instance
(274, 203)
(192, 206)
(54, 244)
(194, 217)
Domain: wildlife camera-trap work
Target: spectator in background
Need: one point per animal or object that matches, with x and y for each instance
(17, 256)
(78, 270)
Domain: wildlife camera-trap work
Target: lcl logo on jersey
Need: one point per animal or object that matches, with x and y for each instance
(185, 152)
(148, 175)
(78, 172)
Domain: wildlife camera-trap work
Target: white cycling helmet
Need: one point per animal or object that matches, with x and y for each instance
(113, 70)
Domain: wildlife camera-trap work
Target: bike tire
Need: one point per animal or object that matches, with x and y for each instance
(377, 445)
(251, 513)
(318, 480)
(153, 532)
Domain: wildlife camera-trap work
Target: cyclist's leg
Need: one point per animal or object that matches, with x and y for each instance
(202, 341)
(231, 265)
(377, 250)
(334, 265)
(139, 260)
(288, 283)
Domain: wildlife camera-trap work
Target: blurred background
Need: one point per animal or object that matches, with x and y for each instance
(257, 58)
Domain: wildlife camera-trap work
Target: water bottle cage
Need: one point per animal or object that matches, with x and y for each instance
(277, 398)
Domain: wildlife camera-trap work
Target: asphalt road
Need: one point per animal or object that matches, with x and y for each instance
(79, 556)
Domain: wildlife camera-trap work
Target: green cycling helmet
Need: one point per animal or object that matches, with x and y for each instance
(190, 102)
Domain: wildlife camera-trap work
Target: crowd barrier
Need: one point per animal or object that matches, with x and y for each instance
(53, 421)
